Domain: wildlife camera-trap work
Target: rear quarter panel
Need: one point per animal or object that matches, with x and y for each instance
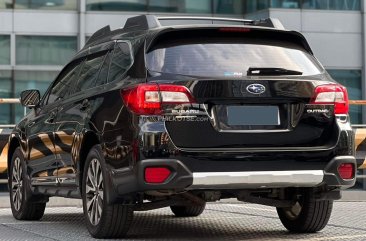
(4, 146)
(360, 144)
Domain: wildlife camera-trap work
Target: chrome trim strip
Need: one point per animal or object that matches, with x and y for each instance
(260, 179)
(263, 149)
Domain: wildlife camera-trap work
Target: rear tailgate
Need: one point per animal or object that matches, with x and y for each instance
(283, 114)
(234, 108)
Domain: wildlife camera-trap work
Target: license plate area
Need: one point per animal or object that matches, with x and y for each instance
(251, 117)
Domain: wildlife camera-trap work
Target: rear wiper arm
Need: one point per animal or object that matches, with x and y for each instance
(271, 71)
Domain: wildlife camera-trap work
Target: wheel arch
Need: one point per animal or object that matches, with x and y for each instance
(14, 142)
(90, 139)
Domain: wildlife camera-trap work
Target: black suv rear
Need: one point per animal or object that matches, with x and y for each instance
(151, 116)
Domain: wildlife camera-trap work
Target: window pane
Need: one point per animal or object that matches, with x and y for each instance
(116, 5)
(4, 49)
(6, 4)
(352, 80)
(5, 92)
(24, 80)
(235, 6)
(89, 73)
(45, 50)
(332, 4)
(39, 80)
(103, 74)
(253, 6)
(285, 3)
(120, 63)
(46, 4)
(226, 55)
(65, 83)
(180, 6)
(5, 83)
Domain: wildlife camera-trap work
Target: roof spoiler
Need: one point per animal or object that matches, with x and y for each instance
(146, 22)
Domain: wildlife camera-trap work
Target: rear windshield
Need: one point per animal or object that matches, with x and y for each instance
(228, 56)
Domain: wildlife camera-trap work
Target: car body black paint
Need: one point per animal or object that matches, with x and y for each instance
(53, 136)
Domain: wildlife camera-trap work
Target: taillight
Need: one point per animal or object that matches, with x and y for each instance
(346, 170)
(156, 174)
(234, 29)
(147, 99)
(332, 94)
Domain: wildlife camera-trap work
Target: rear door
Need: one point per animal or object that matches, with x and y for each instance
(90, 105)
(73, 117)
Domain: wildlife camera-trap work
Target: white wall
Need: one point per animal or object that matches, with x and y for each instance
(38, 22)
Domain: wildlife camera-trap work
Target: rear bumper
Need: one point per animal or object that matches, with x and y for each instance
(132, 181)
(260, 179)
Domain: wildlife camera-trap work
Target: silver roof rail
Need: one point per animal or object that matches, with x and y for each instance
(268, 22)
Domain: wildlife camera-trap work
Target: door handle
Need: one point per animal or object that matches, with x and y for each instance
(84, 105)
(51, 118)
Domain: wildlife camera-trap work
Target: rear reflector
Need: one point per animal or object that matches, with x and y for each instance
(156, 174)
(147, 99)
(346, 170)
(332, 94)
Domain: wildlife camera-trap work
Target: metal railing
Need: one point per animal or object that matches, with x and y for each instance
(10, 101)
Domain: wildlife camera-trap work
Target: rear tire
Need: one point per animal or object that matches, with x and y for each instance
(188, 211)
(22, 206)
(103, 220)
(307, 215)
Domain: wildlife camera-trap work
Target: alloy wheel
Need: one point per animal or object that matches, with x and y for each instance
(94, 191)
(17, 184)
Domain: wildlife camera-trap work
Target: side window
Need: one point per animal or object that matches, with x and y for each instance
(103, 74)
(64, 82)
(121, 61)
(89, 72)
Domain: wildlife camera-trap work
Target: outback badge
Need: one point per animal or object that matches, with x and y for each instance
(256, 89)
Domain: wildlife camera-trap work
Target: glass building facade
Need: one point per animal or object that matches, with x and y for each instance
(40, 4)
(343, 5)
(44, 50)
(37, 61)
(183, 6)
(4, 49)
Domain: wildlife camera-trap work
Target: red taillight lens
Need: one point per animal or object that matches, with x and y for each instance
(156, 174)
(332, 94)
(147, 99)
(234, 29)
(346, 170)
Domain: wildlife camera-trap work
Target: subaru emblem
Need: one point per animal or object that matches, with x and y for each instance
(256, 89)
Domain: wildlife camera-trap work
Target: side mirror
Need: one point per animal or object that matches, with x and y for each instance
(30, 98)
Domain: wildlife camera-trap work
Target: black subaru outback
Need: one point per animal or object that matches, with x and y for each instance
(182, 111)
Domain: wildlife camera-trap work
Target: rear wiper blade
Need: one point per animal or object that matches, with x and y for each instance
(271, 71)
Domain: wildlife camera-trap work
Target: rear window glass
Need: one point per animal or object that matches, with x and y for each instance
(228, 57)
